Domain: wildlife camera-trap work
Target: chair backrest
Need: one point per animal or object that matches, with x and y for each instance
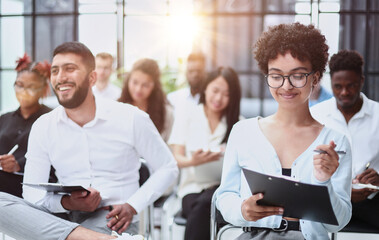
(144, 173)
(148, 215)
(217, 220)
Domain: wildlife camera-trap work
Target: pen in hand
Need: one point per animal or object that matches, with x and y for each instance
(367, 166)
(321, 151)
(11, 152)
(13, 149)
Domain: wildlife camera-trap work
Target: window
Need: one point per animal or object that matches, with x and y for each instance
(168, 30)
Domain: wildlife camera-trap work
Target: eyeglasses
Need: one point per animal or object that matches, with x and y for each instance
(297, 80)
(19, 87)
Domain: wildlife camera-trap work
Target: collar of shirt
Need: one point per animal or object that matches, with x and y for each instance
(101, 113)
(336, 113)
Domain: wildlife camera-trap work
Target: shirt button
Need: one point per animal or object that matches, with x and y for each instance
(19, 132)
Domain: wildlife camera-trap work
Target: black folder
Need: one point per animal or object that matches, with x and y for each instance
(299, 200)
(56, 188)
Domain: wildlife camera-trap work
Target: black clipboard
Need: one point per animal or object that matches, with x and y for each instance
(299, 200)
(56, 188)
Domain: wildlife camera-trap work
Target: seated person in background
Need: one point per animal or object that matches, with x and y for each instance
(319, 94)
(93, 142)
(104, 68)
(283, 143)
(198, 138)
(31, 84)
(195, 75)
(353, 114)
(143, 89)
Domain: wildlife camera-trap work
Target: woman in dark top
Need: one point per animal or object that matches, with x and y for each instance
(31, 84)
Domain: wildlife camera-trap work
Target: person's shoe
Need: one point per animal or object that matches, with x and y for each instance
(127, 236)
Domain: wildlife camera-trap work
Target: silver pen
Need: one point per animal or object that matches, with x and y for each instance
(367, 166)
(322, 151)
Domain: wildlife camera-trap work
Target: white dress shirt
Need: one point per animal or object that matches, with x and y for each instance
(110, 91)
(191, 129)
(249, 148)
(362, 130)
(182, 97)
(103, 154)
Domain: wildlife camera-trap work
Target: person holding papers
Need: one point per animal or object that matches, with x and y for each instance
(198, 138)
(353, 114)
(92, 142)
(293, 58)
(30, 86)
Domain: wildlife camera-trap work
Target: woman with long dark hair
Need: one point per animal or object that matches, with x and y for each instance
(198, 139)
(143, 89)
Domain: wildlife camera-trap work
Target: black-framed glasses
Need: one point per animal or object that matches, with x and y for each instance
(297, 80)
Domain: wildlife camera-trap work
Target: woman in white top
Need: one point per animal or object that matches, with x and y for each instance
(293, 58)
(198, 138)
(143, 89)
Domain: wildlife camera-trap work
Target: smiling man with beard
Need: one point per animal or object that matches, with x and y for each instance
(356, 116)
(93, 142)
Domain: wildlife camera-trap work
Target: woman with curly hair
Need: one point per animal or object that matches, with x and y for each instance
(30, 86)
(143, 89)
(293, 58)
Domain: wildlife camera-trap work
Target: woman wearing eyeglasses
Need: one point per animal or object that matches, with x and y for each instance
(293, 58)
(31, 84)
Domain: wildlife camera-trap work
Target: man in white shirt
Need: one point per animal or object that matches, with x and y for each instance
(103, 87)
(195, 75)
(93, 142)
(356, 116)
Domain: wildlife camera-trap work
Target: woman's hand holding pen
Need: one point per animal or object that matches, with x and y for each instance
(121, 216)
(325, 164)
(251, 211)
(9, 164)
(82, 201)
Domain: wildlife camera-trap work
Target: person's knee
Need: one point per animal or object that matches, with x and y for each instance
(6, 198)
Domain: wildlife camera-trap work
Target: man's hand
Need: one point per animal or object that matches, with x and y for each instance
(9, 163)
(82, 201)
(369, 176)
(251, 211)
(200, 157)
(121, 216)
(325, 164)
(358, 195)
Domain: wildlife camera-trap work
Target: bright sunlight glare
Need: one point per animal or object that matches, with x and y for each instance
(183, 29)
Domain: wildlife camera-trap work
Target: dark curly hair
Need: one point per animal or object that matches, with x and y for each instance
(304, 42)
(157, 100)
(346, 60)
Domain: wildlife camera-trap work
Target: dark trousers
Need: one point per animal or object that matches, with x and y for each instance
(367, 211)
(196, 208)
(11, 183)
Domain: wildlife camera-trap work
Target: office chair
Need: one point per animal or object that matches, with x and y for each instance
(219, 227)
(148, 213)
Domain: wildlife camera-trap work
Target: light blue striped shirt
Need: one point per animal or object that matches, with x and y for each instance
(248, 148)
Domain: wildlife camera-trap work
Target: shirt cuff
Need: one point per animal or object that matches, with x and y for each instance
(56, 204)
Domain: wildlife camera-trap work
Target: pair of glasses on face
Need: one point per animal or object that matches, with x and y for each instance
(31, 90)
(297, 80)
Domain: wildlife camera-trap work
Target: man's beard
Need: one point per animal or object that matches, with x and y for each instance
(78, 98)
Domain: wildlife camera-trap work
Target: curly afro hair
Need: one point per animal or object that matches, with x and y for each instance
(346, 60)
(303, 42)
